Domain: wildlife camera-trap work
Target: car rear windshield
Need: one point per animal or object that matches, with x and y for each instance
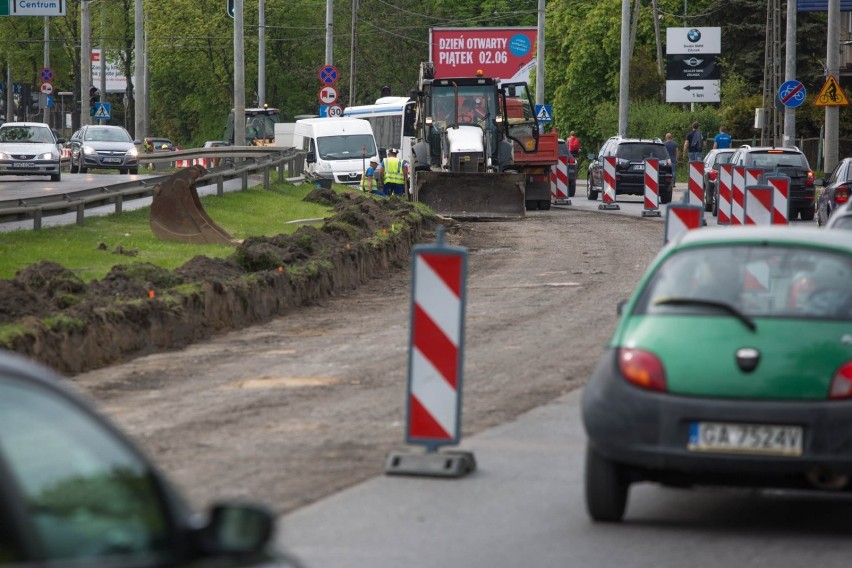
(758, 281)
(770, 159)
(638, 151)
(722, 158)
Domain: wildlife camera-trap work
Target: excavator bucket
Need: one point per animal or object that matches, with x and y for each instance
(177, 213)
(472, 195)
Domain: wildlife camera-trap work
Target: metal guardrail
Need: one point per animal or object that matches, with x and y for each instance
(238, 162)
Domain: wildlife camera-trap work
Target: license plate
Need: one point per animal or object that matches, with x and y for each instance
(761, 439)
(23, 164)
(113, 160)
(639, 168)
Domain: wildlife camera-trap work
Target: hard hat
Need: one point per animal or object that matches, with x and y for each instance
(165, 146)
(374, 161)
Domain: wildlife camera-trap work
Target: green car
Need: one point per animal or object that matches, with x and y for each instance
(731, 365)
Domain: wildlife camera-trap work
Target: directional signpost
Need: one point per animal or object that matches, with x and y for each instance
(327, 94)
(692, 73)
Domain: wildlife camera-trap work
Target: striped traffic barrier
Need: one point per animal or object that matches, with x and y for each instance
(780, 199)
(682, 217)
(652, 188)
(559, 182)
(65, 152)
(754, 176)
(758, 205)
(737, 195)
(187, 162)
(609, 184)
(695, 185)
(436, 353)
(723, 207)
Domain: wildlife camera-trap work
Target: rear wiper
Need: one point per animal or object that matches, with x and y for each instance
(670, 301)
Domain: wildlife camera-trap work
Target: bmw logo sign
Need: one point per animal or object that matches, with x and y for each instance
(693, 35)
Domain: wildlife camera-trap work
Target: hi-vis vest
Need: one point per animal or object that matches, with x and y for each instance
(393, 171)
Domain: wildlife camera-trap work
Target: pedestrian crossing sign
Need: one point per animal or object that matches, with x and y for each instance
(544, 113)
(831, 94)
(102, 111)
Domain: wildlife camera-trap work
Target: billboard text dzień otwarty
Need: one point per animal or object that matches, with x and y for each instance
(503, 53)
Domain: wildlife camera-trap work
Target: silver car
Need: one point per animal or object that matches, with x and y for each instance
(105, 147)
(29, 149)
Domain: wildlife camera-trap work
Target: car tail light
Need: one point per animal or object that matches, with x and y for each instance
(841, 384)
(809, 180)
(841, 194)
(571, 160)
(712, 175)
(643, 369)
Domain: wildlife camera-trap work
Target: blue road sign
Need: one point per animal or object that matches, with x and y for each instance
(323, 111)
(791, 94)
(49, 102)
(544, 113)
(328, 75)
(101, 111)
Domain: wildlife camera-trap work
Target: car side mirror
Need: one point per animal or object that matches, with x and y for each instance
(310, 157)
(237, 529)
(137, 142)
(60, 140)
(619, 307)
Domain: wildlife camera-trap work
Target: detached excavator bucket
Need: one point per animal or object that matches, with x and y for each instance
(472, 195)
(177, 213)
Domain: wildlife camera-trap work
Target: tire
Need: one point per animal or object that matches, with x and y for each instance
(531, 205)
(82, 169)
(606, 488)
(666, 196)
(716, 204)
(572, 187)
(544, 205)
(591, 194)
(134, 171)
(56, 177)
(807, 214)
(122, 171)
(708, 203)
(73, 168)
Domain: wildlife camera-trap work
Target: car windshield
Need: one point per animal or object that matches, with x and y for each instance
(722, 158)
(26, 134)
(636, 152)
(107, 135)
(346, 147)
(771, 159)
(757, 281)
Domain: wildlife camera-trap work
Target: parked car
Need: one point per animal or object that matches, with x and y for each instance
(29, 149)
(836, 190)
(841, 219)
(102, 146)
(789, 161)
(215, 144)
(572, 167)
(76, 491)
(630, 154)
(701, 383)
(712, 164)
(162, 145)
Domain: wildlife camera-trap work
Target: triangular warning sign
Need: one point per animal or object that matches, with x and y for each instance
(101, 112)
(543, 114)
(831, 94)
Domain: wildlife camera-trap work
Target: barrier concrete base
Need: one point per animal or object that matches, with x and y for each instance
(651, 213)
(431, 464)
(609, 206)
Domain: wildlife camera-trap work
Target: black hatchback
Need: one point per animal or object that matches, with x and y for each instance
(788, 161)
(630, 155)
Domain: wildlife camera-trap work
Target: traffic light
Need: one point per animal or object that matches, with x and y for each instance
(386, 91)
(94, 95)
(231, 7)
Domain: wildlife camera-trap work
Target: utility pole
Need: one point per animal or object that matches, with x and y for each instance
(624, 76)
(103, 58)
(832, 64)
(539, 56)
(138, 66)
(239, 77)
(261, 52)
(42, 97)
(790, 71)
(771, 131)
(352, 46)
(85, 60)
(329, 31)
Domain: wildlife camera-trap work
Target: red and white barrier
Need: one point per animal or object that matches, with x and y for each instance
(192, 162)
(780, 199)
(758, 205)
(559, 181)
(682, 217)
(753, 176)
(65, 152)
(652, 188)
(695, 185)
(435, 352)
(723, 207)
(756, 278)
(609, 184)
(738, 195)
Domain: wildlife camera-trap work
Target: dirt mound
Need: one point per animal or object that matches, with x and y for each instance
(139, 308)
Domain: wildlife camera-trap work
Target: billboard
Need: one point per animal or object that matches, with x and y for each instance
(116, 82)
(503, 53)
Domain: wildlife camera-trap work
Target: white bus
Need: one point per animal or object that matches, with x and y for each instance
(392, 119)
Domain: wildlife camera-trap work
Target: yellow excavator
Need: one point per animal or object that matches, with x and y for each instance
(462, 161)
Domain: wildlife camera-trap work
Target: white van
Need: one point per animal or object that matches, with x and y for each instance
(339, 149)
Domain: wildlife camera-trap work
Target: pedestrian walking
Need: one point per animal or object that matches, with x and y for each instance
(671, 147)
(693, 145)
(723, 139)
(392, 172)
(369, 183)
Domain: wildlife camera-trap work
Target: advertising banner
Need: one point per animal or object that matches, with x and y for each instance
(116, 82)
(503, 53)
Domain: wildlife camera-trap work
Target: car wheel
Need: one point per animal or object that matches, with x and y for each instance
(56, 177)
(807, 214)
(708, 201)
(73, 168)
(544, 204)
(82, 169)
(531, 205)
(715, 204)
(572, 187)
(666, 196)
(134, 171)
(123, 171)
(606, 488)
(591, 194)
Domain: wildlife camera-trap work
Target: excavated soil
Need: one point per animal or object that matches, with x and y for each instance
(139, 308)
